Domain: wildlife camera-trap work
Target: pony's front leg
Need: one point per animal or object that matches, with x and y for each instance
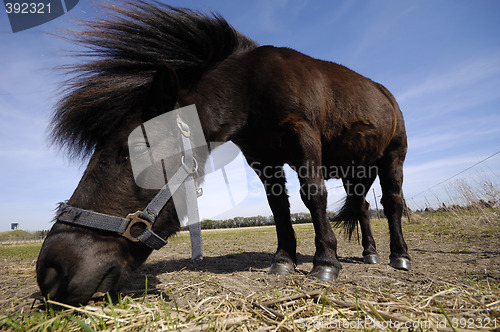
(314, 195)
(273, 179)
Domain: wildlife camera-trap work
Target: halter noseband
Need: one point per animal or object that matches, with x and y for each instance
(147, 217)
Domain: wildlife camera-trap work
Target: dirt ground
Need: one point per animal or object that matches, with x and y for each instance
(454, 256)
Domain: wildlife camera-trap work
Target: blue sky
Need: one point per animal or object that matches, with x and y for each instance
(441, 60)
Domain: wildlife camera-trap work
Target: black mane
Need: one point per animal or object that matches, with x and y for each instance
(124, 52)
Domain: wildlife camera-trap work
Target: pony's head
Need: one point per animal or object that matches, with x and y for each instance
(143, 60)
(77, 261)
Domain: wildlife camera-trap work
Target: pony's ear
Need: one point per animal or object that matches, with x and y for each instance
(163, 92)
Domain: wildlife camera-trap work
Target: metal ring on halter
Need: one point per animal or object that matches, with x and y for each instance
(195, 166)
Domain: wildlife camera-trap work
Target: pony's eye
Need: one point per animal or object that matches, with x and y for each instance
(139, 149)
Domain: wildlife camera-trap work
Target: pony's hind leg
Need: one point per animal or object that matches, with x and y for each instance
(391, 180)
(370, 254)
(355, 209)
(273, 179)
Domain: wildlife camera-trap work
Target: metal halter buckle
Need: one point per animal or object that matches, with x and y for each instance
(134, 219)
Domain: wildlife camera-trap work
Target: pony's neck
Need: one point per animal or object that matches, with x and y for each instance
(219, 100)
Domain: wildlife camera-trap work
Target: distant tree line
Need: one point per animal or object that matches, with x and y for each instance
(41, 233)
(297, 218)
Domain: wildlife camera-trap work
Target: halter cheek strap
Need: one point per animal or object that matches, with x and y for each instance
(122, 226)
(147, 217)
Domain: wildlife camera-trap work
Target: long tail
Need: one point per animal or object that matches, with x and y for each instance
(348, 217)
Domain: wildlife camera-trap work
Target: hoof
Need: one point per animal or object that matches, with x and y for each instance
(197, 260)
(281, 269)
(400, 263)
(324, 273)
(371, 259)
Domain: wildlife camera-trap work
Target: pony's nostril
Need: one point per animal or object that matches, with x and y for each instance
(50, 282)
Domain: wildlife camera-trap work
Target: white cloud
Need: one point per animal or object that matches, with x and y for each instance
(460, 75)
(421, 177)
(452, 137)
(380, 26)
(439, 166)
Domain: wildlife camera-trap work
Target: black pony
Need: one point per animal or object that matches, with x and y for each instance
(278, 105)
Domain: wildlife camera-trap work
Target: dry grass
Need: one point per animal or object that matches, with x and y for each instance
(374, 298)
(478, 194)
(298, 304)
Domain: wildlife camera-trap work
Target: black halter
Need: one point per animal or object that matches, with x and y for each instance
(147, 217)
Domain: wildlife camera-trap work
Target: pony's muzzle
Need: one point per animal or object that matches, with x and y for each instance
(71, 270)
(62, 284)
